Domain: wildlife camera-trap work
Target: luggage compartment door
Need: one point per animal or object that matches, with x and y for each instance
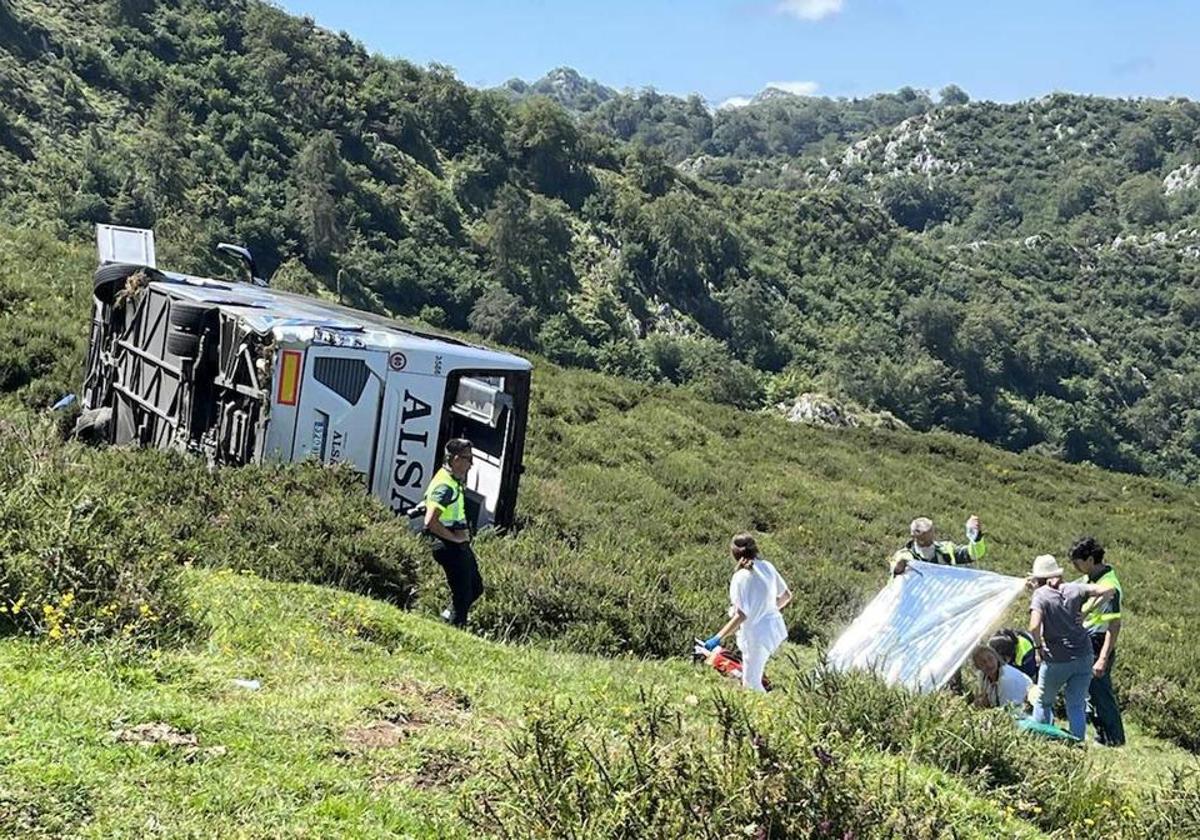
(341, 395)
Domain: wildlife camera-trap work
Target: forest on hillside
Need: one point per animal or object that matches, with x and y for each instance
(1028, 274)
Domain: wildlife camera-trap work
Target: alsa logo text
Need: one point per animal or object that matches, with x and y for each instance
(408, 468)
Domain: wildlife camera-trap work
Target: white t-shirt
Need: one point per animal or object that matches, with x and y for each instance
(755, 591)
(1010, 689)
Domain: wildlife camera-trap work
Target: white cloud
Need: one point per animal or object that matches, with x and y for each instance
(809, 9)
(735, 102)
(798, 88)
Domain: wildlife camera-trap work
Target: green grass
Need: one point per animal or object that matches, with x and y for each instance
(629, 497)
(331, 663)
(328, 663)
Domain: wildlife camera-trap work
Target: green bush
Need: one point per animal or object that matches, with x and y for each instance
(91, 541)
(539, 588)
(809, 765)
(300, 522)
(80, 557)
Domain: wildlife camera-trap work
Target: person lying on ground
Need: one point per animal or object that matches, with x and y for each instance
(925, 545)
(1000, 685)
(757, 593)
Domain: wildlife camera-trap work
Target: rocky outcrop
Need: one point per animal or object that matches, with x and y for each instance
(1186, 177)
(814, 409)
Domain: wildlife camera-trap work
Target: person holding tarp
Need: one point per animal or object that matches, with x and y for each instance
(1103, 623)
(925, 545)
(1063, 646)
(757, 593)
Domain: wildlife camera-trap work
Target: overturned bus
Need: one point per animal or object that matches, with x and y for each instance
(242, 373)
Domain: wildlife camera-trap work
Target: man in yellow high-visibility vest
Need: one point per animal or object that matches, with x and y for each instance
(1102, 620)
(446, 522)
(925, 545)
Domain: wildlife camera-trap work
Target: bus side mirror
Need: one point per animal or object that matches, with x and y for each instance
(244, 256)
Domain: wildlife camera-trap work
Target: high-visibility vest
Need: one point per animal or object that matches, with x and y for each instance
(453, 513)
(1023, 649)
(1098, 621)
(943, 552)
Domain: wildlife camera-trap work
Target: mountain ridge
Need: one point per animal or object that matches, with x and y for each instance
(753, 273)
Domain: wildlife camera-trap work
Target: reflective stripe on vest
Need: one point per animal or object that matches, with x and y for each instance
(1098, 621)
(454, 513)
(1023, 649)
(945, 548)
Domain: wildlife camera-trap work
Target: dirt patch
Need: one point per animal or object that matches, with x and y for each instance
(388, 730)
(411, 707)
(437, 702)
(164, 735)
(439, 769)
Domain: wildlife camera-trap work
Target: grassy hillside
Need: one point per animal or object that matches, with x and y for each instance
(371, 722)
(630, 495)
(751, 274)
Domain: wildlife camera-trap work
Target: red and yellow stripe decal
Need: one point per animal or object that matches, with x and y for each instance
(290, 365)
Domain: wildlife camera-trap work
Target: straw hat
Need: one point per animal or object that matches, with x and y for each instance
(1045, 567)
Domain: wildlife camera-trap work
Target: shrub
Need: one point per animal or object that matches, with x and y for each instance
(79, 558)
(91, 542)
(657, 780)
(1166, 708)
(809, 764)
(298, 522)
(539, 588)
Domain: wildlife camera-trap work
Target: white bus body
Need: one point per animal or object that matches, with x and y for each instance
(243, 373)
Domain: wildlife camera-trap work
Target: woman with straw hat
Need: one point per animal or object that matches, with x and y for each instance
(1064, 649)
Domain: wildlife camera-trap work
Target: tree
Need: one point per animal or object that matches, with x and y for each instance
(545, 141)
(953, 95)
(1141, 200)
(650, 171)
(529, 242)
(1076, 194)
(500, 315)
(1139, 149)
(996, 210)
(318, 175)
(917, 203)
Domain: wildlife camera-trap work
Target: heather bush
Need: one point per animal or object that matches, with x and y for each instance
(91, 542)
(809, 764)
(79, 557)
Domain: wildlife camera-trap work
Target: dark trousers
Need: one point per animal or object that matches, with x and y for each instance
(1104, 712)
(462, 576)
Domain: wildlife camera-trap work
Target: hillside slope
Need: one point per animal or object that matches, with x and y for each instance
(630, 494)
(404, 190)
(364, 721)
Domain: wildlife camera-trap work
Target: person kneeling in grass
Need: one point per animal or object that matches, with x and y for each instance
(756, 595)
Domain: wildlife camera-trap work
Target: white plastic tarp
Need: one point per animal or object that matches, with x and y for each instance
(922, 626)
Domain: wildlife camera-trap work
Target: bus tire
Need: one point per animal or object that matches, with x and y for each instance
(109, 278)
(182, 344)
(189, 317)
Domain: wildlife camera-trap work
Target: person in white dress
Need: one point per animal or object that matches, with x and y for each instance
(757, 593)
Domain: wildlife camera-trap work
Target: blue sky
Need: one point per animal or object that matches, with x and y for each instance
(994, 50)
